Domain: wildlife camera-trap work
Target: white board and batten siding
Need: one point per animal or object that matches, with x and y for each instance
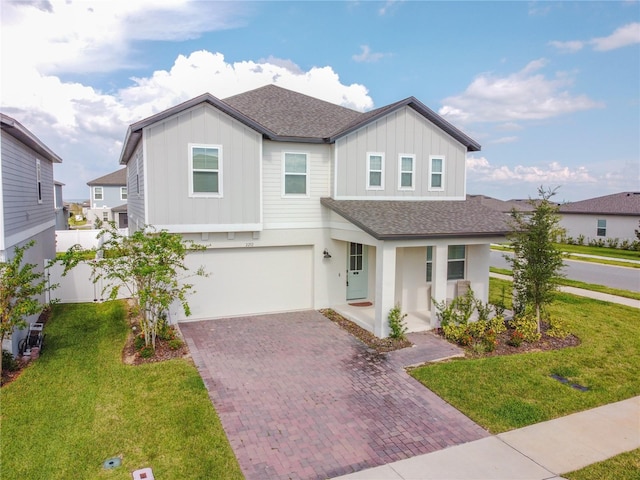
(167, 172)
(401, 132)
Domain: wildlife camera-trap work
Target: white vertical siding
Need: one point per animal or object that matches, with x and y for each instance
(167, 168)
(135, 189)
(401, 132)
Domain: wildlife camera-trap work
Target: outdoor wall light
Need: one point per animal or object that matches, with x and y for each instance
(326, 253)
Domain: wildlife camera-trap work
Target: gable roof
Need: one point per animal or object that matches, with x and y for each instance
(23, 135)
(393, 219)
(504, 206)
(117, 178)
(287, 116)
(623, 203)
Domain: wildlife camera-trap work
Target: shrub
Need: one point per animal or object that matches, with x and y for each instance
(527, 326)
(164, 330)
(580, 240)
(557, 328)
(139, 342)
(483, 309)
(625, 245)
(571, 241)
(516, 339)
(497, 324)
(9, 363)
(175, 343)
(147, 351)
(457, 334)
(396, 323)
(613, 242)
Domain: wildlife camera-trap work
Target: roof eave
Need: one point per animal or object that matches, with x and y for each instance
(22, 134)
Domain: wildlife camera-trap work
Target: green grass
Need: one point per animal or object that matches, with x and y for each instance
(586, 286)
(625, 466)
(79, 405)
(507, 392)
(600, 251)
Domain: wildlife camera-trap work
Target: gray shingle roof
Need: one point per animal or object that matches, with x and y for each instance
(292, 114)
(623, 203)
(393, 219)
(119, 177)
(504, 206)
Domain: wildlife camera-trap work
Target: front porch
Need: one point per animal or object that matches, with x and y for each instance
(364, 316)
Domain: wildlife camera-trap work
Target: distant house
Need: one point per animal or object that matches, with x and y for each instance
(27, 200)
(609, 216)
(303, 204)
(108, 198)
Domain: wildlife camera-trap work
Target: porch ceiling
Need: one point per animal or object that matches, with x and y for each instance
(392, 219)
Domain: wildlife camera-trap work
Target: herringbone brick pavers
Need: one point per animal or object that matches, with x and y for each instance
(300, 398)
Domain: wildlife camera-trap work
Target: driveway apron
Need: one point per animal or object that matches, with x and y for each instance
(300, 398)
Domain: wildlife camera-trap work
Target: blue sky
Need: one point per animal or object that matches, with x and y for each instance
(551, 90)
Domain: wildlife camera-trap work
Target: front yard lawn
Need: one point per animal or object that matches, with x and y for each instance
(506, 392)
(79, 405)
(623, 466)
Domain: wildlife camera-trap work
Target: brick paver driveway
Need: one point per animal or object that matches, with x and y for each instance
(300, 398)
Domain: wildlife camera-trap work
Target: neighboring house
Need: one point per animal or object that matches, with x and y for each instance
(108, 199)
(304, 204)
(62, 211)
(26, 201)
(609, 216)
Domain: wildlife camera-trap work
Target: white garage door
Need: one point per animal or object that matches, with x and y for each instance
(251, 280)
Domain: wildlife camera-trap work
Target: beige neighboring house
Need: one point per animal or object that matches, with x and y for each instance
(28, 202)
(610, 216)
(108, 199)
(303, 204)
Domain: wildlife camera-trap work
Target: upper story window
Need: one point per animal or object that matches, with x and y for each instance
(296, 174)
(205, 163)
(456, 256)
(602, 228)
(436, 173)
(375, 171)
(98, 193)
(406, 172)
(123, 193)
(39, 180)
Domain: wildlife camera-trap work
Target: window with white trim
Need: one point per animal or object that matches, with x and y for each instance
(406, 172)
(98, 193)
(375, 171)
(436, 173)
(602, 228)
(205, 164)
(39, 180)
(295, 171)
(123, 193)
(429, 264)
(456, 257)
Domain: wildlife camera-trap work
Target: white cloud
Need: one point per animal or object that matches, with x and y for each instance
(505, 140)
(367, 56)
(95, 36)
(481, 170)
(622, 37)
(388, 7)
(523, 95)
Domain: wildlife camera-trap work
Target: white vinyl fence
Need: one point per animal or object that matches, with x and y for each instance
(78, 286)
(87, 239)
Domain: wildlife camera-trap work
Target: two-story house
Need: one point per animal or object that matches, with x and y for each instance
(108, 198)
(304, 204)
(26, 201)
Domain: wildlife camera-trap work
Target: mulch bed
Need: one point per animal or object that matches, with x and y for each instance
(382, 345)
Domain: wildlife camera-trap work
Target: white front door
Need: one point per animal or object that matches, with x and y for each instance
(357, 277)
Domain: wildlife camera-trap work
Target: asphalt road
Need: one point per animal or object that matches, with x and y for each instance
(607, 275)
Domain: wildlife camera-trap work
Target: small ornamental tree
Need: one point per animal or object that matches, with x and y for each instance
(536, 261)
(148, 264)
(20, 286)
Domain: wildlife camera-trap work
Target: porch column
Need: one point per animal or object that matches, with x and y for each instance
(438, 280)
(385, 288)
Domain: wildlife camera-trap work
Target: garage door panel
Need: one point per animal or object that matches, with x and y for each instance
(251, 280)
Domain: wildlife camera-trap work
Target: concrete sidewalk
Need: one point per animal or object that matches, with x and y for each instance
(537, 452)
(629, 302)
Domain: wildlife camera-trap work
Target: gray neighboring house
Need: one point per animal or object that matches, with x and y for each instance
(26, 201)
(609, 216)
(108, 198)
(62, 211)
